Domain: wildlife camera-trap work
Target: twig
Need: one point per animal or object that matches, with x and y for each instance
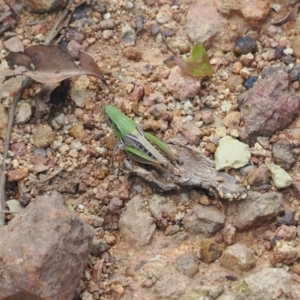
(8, 13)
(12, 110)
(12, 9)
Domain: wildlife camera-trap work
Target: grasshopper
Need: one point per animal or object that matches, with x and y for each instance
(141, 146)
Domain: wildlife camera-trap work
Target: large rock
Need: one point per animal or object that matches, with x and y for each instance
(257, 210)
(268, 107)
(269, 283)
(282, 154)
(204, 22)
(137, 226)
(43, 251)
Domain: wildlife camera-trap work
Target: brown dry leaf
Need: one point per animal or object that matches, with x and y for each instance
(53, 64)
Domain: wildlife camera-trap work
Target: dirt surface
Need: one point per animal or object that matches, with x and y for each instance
(144, 260)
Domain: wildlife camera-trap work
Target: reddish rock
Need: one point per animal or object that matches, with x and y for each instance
(268, 107)
(259, 176)
(44, 5)
(137, 94)
(43, 136)
(182, 86)
(46, 258)
(282, 154)
(16, 175)
(132, 53)
(19, 149)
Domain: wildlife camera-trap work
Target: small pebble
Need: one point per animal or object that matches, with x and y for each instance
(248, 84)
(244, 45)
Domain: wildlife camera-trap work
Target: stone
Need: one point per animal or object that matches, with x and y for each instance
(144, 68)
(285, 252)
(77, 131)
(137, 226)
(24, 113)
(207, 116)
(128, 35)
(54, 263)
(255, 12)
(282, 154)
(192, 133)
(295, 45)
(231, 153)
(43, 136)
(14, 206)
(3, 121)
(181, 85)
(137, 94)
(232, 119)
(287, 233)
(19, 149)
(17, 175)
(159, 206)
(164, 14)
(238, 257)
(244, 45)
(233, 82)
(203, 219)
(269, 283)
(257, 210)
(210, 250)
(273, 92)
(44, 6)
(73, 48)
(187, 264)
(14, 44)
(207, 28)
(229, 233)
(98, 246)
(279, 176)
(259, 176)
(78, 92)
(107, 24)
(132, 53)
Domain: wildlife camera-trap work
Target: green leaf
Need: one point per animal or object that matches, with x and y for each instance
(197, 65)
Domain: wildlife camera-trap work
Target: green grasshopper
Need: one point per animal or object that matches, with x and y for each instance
(141, 146)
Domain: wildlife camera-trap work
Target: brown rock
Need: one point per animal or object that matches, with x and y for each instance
(207, 117)
(287, 233)
(137, 94)
(295, 45)
(233, 82)
(187, 264)
(255, 12)
(132, 53)
(192, 133)
(43, 6)
(43, 136)
(19, 148)
(17, 175)
(232, 119)
(229, 234)
(210, 251)
(45, 259)
(14, 44)
(77, 131)
(259, 176)
(268, 107)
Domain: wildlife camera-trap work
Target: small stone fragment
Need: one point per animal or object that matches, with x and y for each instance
(210, 250)
(14, 44)
(259, 176)
(229, 234)
(136, 225)
(203, 219)
(128, 35)
(187, 264)
(282, 154)
(287, 233)
(77, 131)
(132, 53)
(285, 252)
(24, 113)
(182, 86)
(43, 136)
(248, 84)
(279, 176)
(238, 258)
(232, 119)
(231, 153)
(233, 82)
(295, 45)
(164, 14)
(192, 133)
(244, 45)
(3, 121)
(44, 6)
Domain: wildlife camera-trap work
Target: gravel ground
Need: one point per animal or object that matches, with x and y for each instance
(187, 243)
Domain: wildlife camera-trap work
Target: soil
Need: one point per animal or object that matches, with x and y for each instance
(92, 179)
